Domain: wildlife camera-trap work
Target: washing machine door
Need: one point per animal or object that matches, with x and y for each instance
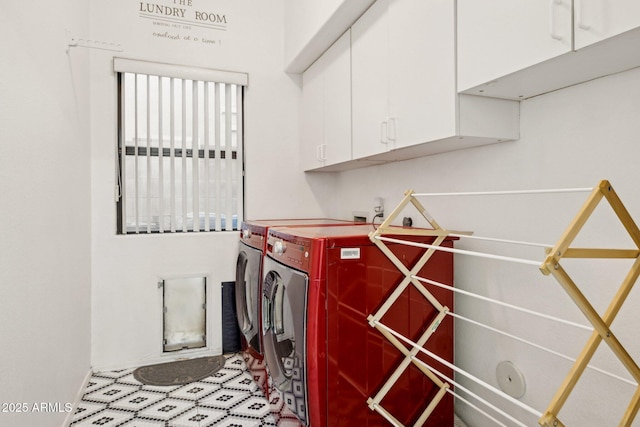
(248, 276)
(284, 308)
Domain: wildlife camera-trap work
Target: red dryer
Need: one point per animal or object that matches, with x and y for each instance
(248, 289)
(325, 361)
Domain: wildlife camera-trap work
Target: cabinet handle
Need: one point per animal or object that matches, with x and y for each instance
(383, 132)
(552, 19)
(580, 15)
(320, 153)
(391, 131)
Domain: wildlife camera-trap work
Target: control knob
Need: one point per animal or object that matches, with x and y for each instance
(279, 247)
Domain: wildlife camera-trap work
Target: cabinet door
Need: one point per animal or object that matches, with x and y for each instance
(326, 104)
(499, 37)
(596, 20)
(422, 80)
(312, 106)
(337, 102)
(370, 82)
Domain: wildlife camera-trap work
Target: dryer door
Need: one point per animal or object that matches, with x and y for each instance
(284, 308)
(248, 275)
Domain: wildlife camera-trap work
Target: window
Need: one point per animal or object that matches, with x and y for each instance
(180, 161)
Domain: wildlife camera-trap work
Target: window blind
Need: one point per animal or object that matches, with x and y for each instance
(180, 160)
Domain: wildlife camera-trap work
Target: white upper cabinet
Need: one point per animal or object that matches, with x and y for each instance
(597, 20)
(422, 84)
(404, 97)
(403, 62)
(370, 68)
(518, 49)
(326, 98)
(312, 136)
(499, 37)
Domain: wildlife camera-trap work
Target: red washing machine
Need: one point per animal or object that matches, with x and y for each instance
(252, 247)
(325, 361)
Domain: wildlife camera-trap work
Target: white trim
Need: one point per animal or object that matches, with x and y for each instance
(83, 387)
(180, 71)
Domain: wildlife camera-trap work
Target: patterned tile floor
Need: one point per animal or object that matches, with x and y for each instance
(231, 397)
(228, 398)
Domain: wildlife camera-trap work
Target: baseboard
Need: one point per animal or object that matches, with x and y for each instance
(78, 398)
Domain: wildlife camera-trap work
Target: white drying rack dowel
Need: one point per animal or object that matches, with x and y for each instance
(517, 338)
(462, 372)
(551, 265)
(540, 347)
(493, 239)
(505, 192)
(504, 304)
(477, 408)
(460, 251)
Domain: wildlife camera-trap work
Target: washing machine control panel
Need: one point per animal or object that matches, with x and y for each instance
(253, 235)
(289, 250)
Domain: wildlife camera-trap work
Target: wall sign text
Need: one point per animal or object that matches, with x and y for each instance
(182, 20)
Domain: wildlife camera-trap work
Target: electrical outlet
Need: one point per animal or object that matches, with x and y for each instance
(378, 206)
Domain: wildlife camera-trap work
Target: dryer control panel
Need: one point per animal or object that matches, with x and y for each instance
(290, 250)
(253, 235)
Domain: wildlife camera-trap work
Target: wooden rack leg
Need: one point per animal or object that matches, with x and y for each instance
(621, 211)
(432, 405)
(374, 403)
(550, 266)
(574, 228)
(601, 324)
(408, 278)
(410, 357)
(409, 198)
(440, 236)
(632, 410)
(592, 344)
(379, 409)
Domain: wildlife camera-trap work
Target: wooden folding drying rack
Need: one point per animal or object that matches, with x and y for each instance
(550, 266)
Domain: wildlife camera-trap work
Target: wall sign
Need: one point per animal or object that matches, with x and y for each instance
(184, 21)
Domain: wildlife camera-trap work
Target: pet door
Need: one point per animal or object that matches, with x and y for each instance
(184, 304)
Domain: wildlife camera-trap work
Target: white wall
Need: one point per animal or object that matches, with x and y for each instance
(570, 138)
(45, 263)
(126, 310)
(68, 279)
